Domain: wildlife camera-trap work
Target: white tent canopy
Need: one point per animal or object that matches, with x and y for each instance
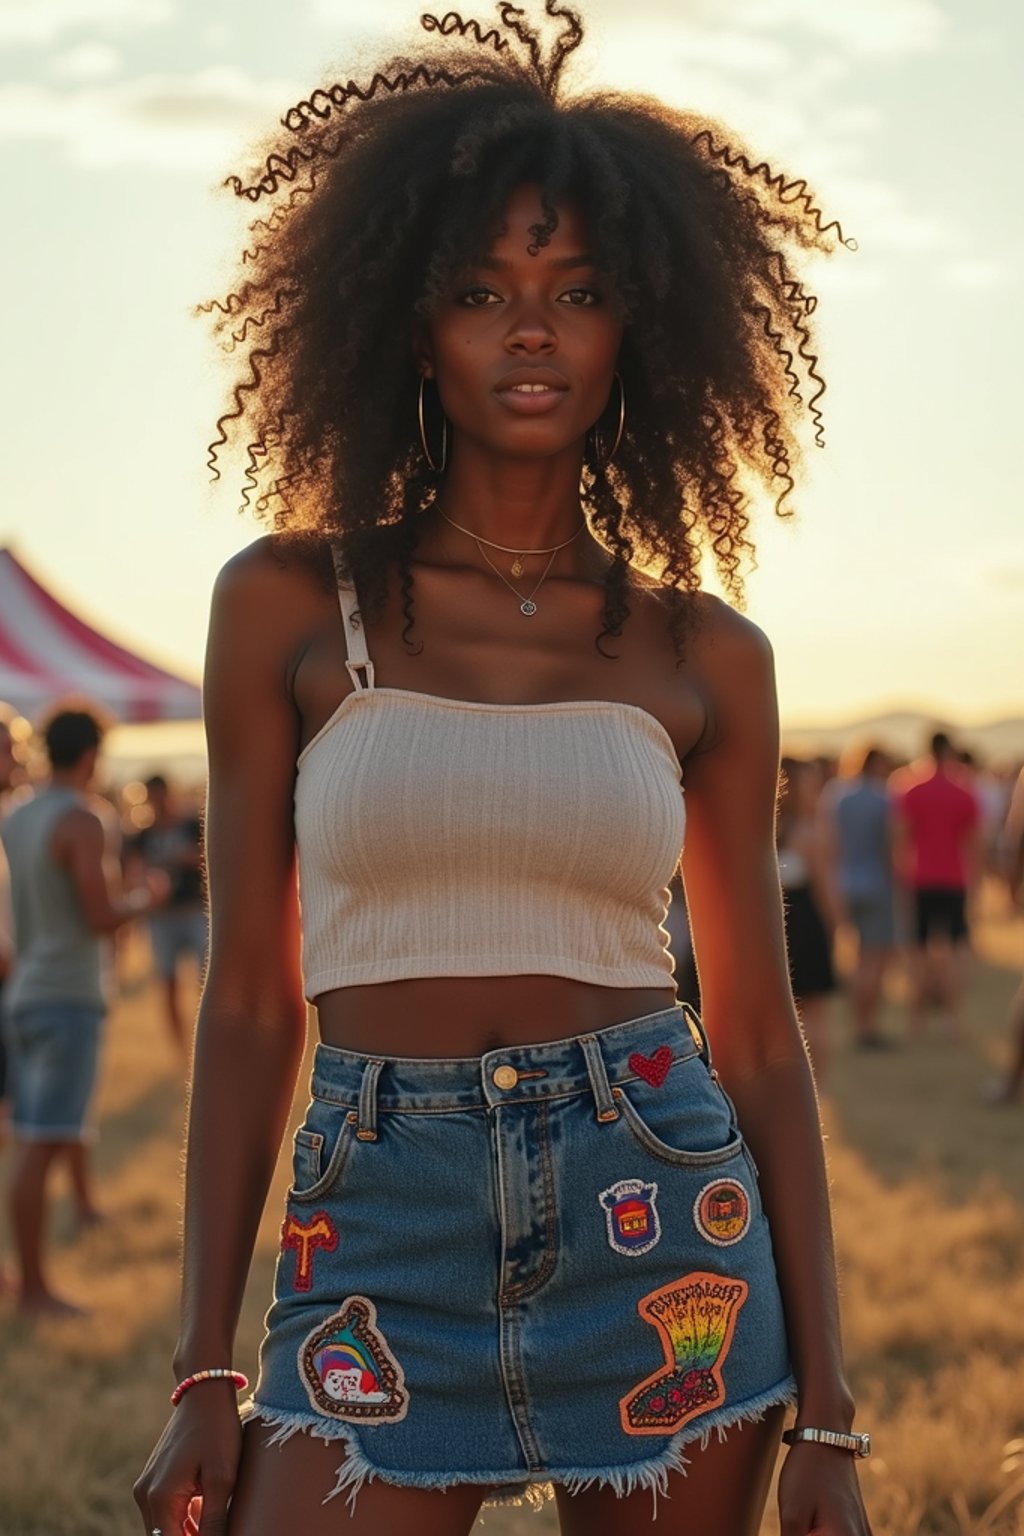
(47, 653)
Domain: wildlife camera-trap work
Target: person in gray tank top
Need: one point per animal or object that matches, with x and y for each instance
(63, 905)
(858, 815)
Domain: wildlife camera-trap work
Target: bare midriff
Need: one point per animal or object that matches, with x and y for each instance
(468, 1015)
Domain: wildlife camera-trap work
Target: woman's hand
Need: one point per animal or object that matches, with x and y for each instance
(195, 1459)
(819, 1494)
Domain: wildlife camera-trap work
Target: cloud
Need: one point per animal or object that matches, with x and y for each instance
(734, 50)
(339, 13)
(973, 272)
(878, 214)
(217, 34)
(866, 27)
(38, 22)
(88, 61)
(201, 121)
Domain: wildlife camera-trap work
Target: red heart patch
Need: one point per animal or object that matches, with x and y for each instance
(653, 1069)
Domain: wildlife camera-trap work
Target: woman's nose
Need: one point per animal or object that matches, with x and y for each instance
(530, 330)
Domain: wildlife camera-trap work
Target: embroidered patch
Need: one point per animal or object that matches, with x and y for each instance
(696, 1317)
(721, 1212)
(349, 1370)
(631, 1216)
(653, 1069)
(305, 1237)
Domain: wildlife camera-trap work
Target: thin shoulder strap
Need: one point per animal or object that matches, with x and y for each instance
(358, 657)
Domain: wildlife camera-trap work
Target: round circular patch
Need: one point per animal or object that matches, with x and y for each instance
(721, 1212)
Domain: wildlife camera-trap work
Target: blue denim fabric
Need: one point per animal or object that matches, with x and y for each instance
(175, 933)
(53, 1054)
(549, 1263)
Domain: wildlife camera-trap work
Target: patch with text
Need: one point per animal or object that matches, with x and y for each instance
(631, 1215)
(695, 1317)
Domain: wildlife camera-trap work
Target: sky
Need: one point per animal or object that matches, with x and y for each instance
(902, 581)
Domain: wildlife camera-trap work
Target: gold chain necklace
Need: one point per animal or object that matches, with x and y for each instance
(520, 554)
(527, 605)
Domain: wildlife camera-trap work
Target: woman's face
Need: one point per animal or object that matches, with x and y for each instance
(524, 350)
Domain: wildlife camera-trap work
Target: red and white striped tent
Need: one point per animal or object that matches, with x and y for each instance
(47, 653)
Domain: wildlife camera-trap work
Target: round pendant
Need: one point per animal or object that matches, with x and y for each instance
(528, 607)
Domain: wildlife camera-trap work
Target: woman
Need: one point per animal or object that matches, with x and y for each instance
(502, 350)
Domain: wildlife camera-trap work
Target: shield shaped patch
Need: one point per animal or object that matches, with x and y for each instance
(631, 1216)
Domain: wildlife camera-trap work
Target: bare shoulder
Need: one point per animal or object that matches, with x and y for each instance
(715, 632)
(722, 638)
(273, 571)
(268, 601)
(733, 660)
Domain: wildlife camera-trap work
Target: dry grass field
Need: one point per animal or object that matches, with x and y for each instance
(929, 1200)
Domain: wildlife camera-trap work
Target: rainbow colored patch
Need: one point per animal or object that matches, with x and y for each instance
(348, 1368)
(696, 1318)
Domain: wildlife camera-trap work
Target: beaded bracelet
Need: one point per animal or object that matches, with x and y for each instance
(240, 1381)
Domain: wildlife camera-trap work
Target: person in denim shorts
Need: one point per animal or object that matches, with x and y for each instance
(62, 905)
(508, 351)
(172, 843)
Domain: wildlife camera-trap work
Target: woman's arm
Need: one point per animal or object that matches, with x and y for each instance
(732, 889)
(251, 1027)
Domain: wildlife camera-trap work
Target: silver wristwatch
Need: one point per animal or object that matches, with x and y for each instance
(860, 1445)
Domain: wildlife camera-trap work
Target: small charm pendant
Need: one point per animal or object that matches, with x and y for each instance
(517, 568)
(528, 607)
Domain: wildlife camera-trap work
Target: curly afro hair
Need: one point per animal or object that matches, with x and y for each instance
(386, 193)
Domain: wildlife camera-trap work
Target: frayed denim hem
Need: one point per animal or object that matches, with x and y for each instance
(654, 1472)
(520, 1488)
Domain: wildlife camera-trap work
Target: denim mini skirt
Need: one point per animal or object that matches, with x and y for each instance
(545, 1264)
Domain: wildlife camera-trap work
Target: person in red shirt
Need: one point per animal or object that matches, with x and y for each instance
(1011, 1088)
(938, 845)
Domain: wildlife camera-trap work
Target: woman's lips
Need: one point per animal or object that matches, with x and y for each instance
(530, 399)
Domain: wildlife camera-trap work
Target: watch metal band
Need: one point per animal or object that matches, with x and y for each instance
(860, 1445)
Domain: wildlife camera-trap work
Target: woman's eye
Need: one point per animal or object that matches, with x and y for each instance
(579, 297)
(476, 298)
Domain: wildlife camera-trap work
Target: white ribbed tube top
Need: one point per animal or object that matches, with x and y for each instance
(442, 837)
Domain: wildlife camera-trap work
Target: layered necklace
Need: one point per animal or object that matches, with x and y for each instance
(527, 606)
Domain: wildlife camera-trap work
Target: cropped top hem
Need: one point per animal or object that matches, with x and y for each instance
(435, 967)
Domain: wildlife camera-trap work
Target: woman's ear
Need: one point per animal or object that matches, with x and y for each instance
(422, 354)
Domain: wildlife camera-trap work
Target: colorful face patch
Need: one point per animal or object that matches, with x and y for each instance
(696, 1317)
(348, 1369)
(305, 1237)
(721, 1212)
(631, 1216)
(653, 1069)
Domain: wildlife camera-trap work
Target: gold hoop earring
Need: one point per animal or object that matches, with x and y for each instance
(437, 468)
(602, 462)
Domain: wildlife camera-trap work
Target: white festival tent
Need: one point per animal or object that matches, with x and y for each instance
(49, 653)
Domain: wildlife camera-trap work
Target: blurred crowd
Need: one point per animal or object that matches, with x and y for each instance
(883, 864)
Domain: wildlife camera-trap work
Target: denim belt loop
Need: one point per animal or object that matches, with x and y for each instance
(598, 1074)
(366, 1129)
